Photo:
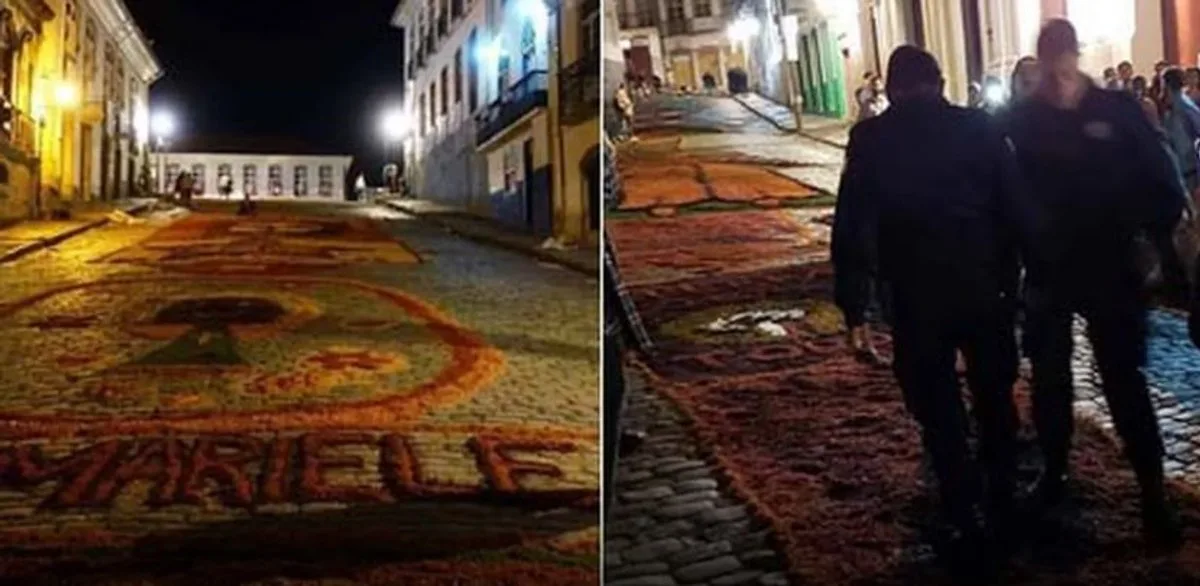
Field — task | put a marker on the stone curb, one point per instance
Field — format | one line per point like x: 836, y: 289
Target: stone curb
x: 542, y: 255
x: 42, y: 243
x: 788, y: 129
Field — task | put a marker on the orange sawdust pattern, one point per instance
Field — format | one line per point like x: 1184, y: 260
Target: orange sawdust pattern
x: 823, y: 448
x: 473, y: 365
x: 680, y: 181
x: 656, y: 249
x: 263, y: 244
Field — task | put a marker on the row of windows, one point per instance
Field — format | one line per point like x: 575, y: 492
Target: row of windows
x: 436, y: 101
x: 250, y: 178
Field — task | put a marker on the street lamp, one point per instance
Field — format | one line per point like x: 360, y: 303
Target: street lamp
x: 394, y: 126
x: 162, y: 126
x: 743, y: 29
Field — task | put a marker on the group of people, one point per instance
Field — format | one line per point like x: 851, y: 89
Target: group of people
x: 185, y: 188
x: 984, y: 235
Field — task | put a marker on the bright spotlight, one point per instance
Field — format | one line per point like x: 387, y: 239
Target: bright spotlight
x: 743, y: 29
x: 66, y: 95
x: 536, y: 12
x: 394, y: 125
x: 993, y: 93
x: 162, y: 125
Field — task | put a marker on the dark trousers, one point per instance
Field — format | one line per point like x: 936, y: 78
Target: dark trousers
x: 1115, y: 310
x: 927, y: 338
x: 614, y: 405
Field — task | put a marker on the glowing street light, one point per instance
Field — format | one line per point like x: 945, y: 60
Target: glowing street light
x: 162, y: 124
x: 66, y: 95
x: 394, y: 125
x: 535, y: 11
x: 743, y: 29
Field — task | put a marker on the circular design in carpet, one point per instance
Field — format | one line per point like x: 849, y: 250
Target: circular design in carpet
x: 231, y: 353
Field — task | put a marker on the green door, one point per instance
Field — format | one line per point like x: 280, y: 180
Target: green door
x: 833, y: 77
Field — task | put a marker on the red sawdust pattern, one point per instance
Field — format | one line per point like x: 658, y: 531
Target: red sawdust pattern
x: 823, y: 448
x: 473, y: 365
x: 685, y: 180
x: 703, y: 244
x: 735, y: 182
x: 34, y: 572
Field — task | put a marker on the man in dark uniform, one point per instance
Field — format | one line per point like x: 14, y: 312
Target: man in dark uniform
x: 1094, y: 163
x: 930, y: 209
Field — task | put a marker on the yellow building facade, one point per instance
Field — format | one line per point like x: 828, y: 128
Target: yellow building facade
x: 76, y: 78
x: 576, y: 101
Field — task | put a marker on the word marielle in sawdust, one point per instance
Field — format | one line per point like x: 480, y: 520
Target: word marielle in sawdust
x: 246, y: 471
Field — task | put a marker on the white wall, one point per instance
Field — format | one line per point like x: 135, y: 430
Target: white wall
x: 288, y: 163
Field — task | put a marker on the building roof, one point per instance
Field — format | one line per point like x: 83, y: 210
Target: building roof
x: 250, y: 145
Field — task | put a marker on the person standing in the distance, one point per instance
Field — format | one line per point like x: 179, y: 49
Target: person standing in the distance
x: 225, y: 186
x: 1110, y: 79
x: 949, y: 260
x: 1125, y: 76
x: 624, y: 103
x: 1094, y: 162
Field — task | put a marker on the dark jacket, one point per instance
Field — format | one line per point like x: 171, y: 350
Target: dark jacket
x: 930, y: 205
x: 1103, y: 177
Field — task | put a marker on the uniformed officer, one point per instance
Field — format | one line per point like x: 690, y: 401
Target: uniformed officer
x: 1092, y: 159
x: 929, y: 209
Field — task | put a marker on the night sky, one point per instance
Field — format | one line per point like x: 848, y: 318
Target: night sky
x: 308, y: 71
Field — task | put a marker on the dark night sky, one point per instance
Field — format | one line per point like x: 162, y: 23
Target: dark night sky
x: 317, y: 72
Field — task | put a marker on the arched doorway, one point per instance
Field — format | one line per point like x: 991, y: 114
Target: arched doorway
x: 739, y: 81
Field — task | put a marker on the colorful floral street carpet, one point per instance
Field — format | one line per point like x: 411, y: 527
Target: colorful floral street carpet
x: 228, y: 406
x: 212, y: 242
x: 664, y: 184
x: 823, y: 448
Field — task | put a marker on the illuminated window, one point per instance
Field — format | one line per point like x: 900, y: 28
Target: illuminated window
x: 275, y: 180
x: 458, y: 80
x: 325, y: 179
x: 198, y: 175
x: 250, y: 179
x: 445, y: 92
x: 300, y: 182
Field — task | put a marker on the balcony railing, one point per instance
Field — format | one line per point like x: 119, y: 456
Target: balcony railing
x: 580, y: 83
x: 638, y: 19
x: 519, y: 99
x: 678, y: 27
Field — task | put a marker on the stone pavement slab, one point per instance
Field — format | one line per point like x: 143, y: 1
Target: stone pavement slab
x: 832, y: 131
x: 584, y: 259
x: 675, y: 520
x: 21, y: 238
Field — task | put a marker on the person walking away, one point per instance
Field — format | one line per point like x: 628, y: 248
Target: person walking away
x: 1181, y: 127
x: 225, y: 186
x: 948, y: 259
x: 1192, y: 83
x: 624, y: 104
x: 1182, y: 124
x: 1093, y: 161
x: 183, y: 187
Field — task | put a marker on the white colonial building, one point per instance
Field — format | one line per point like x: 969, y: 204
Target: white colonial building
x: 258, y: 172
x: 477, y: 95
x: 104, y: 145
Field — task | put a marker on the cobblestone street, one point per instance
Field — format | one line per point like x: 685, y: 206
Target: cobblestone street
x: 765, y: 437
x: 196, y: 387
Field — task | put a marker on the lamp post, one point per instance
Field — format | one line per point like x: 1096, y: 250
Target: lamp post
x: 162, y: 125
x: 66, y: 97
x: 394, y: 126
